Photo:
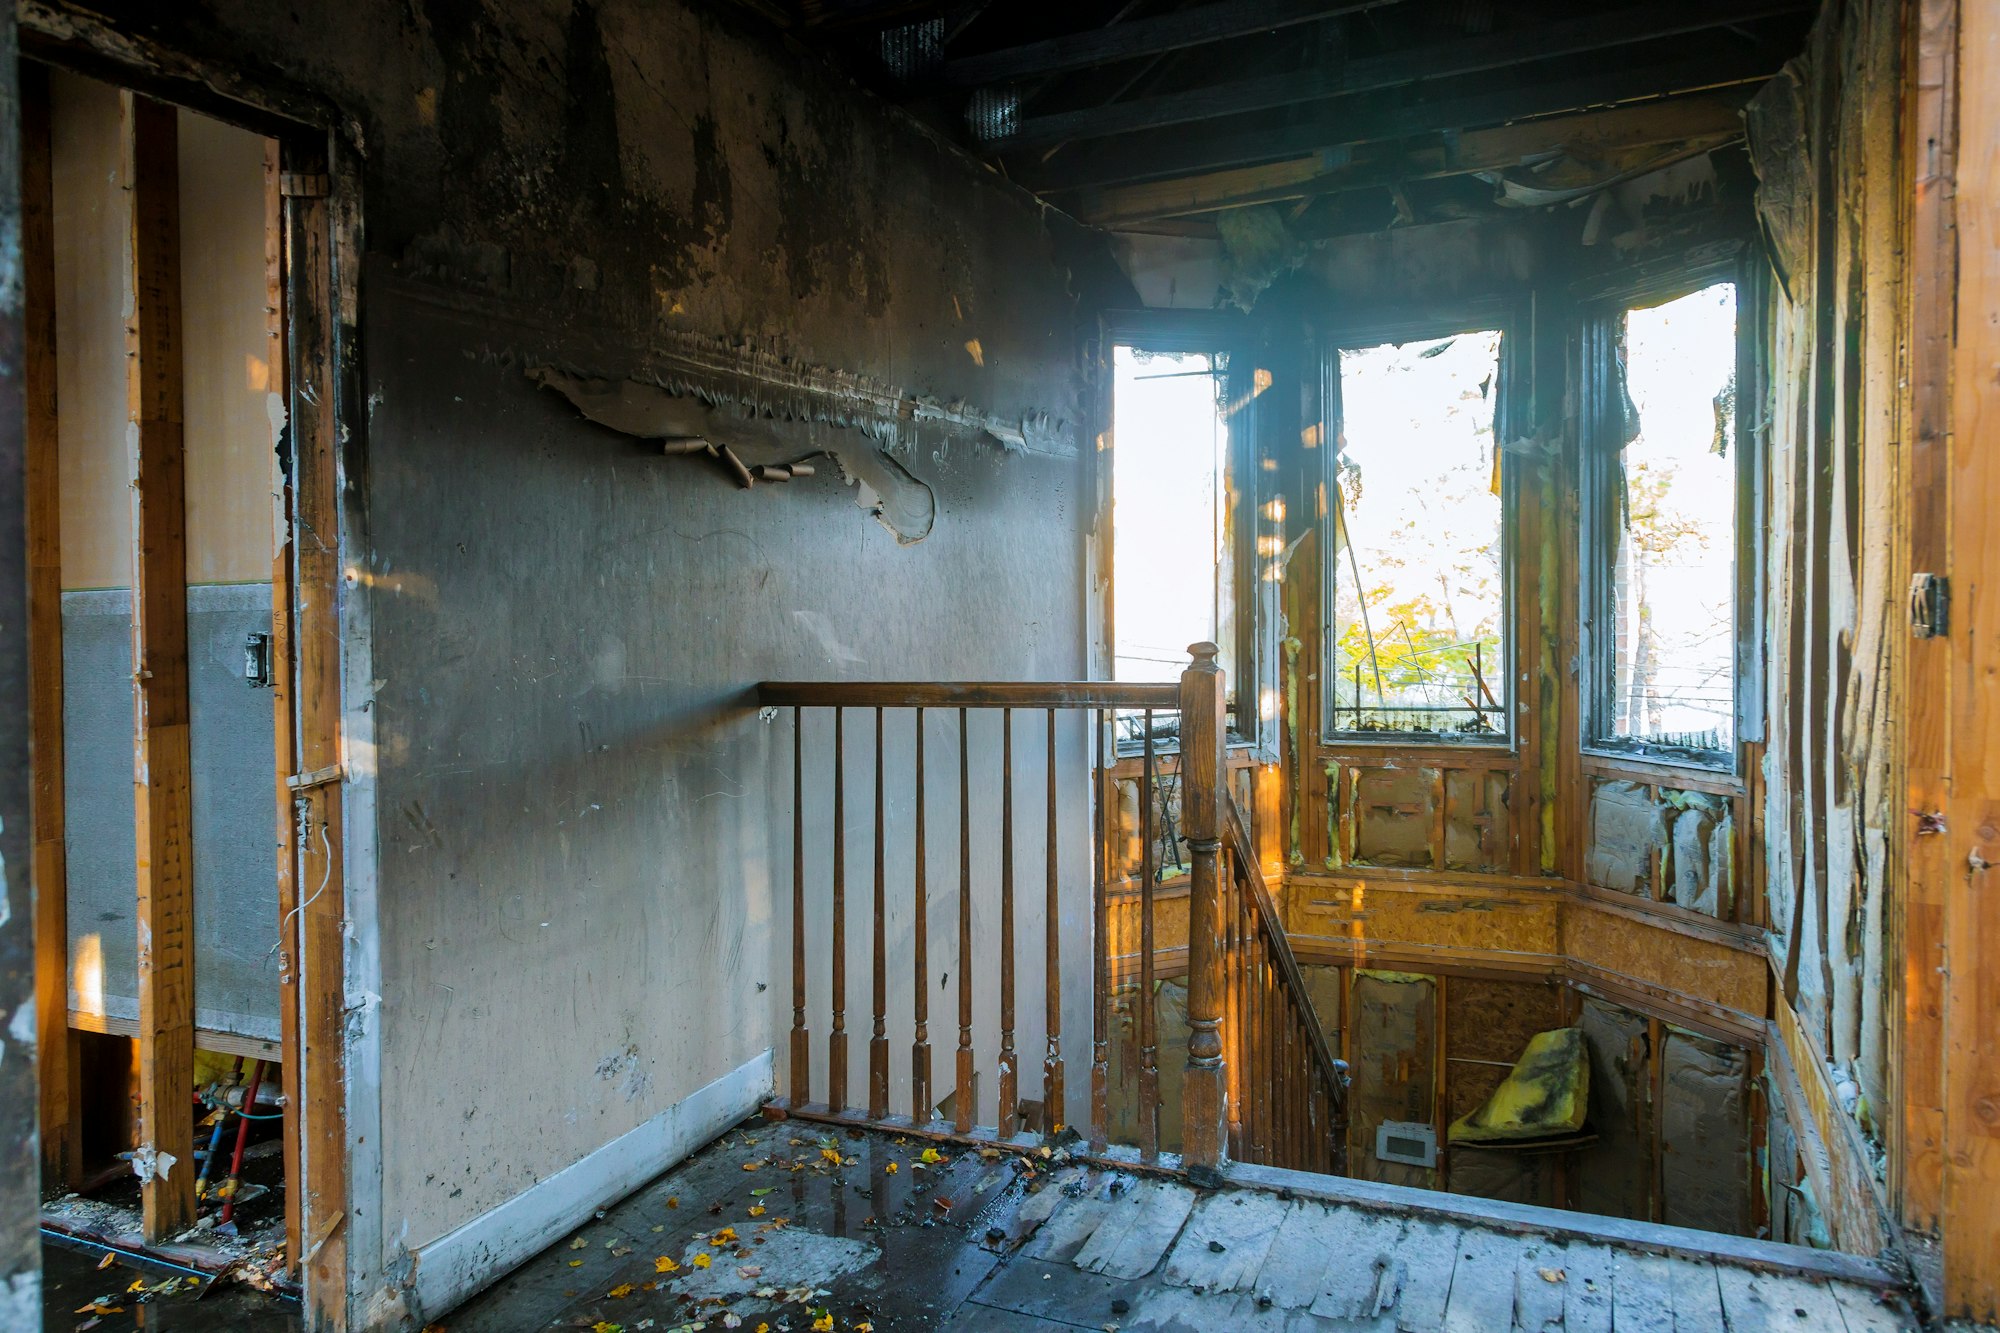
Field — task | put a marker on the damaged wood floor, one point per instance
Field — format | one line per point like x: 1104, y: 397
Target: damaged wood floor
x: 791, y: 1225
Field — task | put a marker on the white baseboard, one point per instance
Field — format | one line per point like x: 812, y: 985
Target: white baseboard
x: 459, y: 1263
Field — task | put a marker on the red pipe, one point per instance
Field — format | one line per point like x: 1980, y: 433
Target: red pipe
x: 242, y: 1138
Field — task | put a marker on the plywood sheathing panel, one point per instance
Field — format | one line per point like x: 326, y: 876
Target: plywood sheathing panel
x: 1393, y: 1048
x: 1726, y: 975
x: 1476, y: 826
x: 1489, y: 1024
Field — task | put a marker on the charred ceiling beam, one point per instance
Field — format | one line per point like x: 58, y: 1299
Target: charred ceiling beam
x: 1500, y: 50
x: 1359, y: 120
x: 1681, y: 126
x: 1200, y: 26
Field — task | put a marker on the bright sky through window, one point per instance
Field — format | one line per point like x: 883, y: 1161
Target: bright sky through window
x: 1416, y: 567
x: 1170, y: 447
x: 1674, y: 581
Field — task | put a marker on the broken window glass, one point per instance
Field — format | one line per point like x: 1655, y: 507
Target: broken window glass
x: 1671, y: 678
x: 1417, y: 616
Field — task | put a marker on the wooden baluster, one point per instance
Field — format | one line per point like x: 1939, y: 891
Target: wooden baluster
x: 1149, y: 1065
x: 920, y: 1048
x: 836, y: 1042
x: 1052, y: 1063
x: 1204, y: 1097
x: 962, y: 1099
x: 1100, y: 946
x: 801, y: 1038
x: 878, y: 1043
x: 1009, y: 1060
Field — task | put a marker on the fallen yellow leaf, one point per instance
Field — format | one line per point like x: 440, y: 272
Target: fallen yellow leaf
x: 701, y: 1261
x: 620, y: 1292
x: 830, y: 1155
x: 726, y: 1236
x: 673, y: 1201
x: 605, y: 1326
x: 823, y: 1324
x: 931, y: 1157
x: 892, y: 1168
x: 756, y: 1210
x: 576, y: 1263
x: 665, y: 1264
x: 751, y: 1166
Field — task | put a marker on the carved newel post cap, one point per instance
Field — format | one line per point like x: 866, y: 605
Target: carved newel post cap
x: 1204, y: 654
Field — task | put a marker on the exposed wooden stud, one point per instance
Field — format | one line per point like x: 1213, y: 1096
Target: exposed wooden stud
x: 1972, y: 907
x: 162, y: 760
x: 284, y: 724
x: 921, y: 1108
x: 316, y: 635
x: 836, y: 1041
x: 56, y: 1053
x: 1917, y: 1165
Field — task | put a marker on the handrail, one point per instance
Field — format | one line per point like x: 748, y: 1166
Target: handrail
x: 1252, y: 876
x: 1165, y: 695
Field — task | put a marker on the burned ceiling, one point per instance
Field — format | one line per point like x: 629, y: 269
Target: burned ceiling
x: 1352, y: 116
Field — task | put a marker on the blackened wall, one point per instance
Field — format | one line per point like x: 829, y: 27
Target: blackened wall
x: 561, y: 928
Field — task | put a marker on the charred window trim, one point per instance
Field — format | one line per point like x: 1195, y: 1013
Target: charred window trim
x: 1599, y: 309
x: 1239, y: 338
x: 1510, y: 318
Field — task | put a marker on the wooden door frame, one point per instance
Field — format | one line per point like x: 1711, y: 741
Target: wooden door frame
x: 320, y: 640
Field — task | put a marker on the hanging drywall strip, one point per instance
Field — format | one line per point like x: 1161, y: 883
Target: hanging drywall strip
x: 164, y: 1160
x: 56, y: 1054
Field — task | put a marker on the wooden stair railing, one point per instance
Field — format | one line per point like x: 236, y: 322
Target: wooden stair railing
x: 1288, y: 1106
x: 1283, y: 1104
x: 912, y: 1102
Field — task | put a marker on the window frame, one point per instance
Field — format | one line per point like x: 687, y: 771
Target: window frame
x: 1510, y: 388
x: 1598, y: 310
x: 1205, y: 333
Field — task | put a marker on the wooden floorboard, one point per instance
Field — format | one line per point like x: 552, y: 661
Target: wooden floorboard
x: 1642, y: 1293
x: 1482, y: 1284
x: 1226, y: 1242
x: 1305, y: 1244
x: 1369, y: 1276
x: 1134, y: 1235
x: 1093, y: 1247
x: 1697, y: 1298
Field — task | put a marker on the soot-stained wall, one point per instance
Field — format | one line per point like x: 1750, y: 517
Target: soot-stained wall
x: 574, y: 901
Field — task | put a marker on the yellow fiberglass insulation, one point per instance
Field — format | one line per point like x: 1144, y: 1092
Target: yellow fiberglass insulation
x: 1545, y: 1096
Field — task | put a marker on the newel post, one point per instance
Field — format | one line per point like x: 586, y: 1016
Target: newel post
x: 1203, y: 1097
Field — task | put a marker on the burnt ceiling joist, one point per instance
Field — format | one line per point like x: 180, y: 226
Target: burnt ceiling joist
x: 1139, y: 112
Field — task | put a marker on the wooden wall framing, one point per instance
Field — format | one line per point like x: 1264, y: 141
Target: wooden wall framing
x: 308, y: 309
x: 56, y: 1047
x: 163, y: 763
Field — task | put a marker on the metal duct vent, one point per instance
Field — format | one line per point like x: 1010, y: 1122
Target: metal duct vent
x: 1407, y: 1141
x: 994, y: 113
x: 913, y: 51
